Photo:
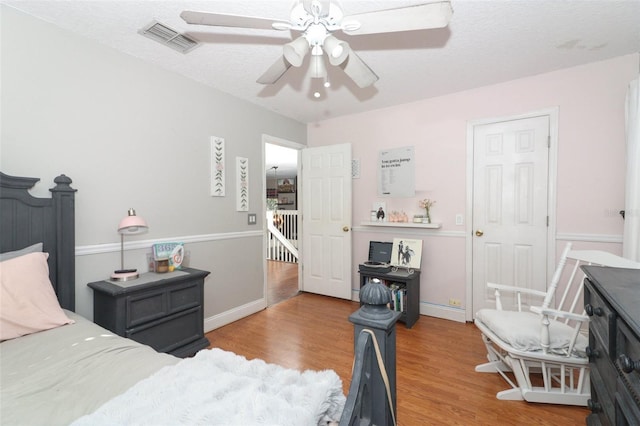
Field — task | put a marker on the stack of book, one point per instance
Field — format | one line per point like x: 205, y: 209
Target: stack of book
x: 398, y: 297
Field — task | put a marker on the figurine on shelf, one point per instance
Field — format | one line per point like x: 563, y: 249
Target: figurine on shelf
x: 380, y: 214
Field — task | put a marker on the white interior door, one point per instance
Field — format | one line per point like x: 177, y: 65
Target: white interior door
x: 326, y: 220
x: 510, y: 206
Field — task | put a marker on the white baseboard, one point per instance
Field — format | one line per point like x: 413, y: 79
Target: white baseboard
x: 444, y: 312
x: 227, y: 317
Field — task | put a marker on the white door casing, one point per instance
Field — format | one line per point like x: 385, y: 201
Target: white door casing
x: 326, y: 220
x: 511, y: 203
x: 272, y: 140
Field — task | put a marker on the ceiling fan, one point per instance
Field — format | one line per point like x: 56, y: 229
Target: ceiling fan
x: 317, y: 20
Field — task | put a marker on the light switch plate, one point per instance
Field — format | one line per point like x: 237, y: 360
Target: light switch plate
x: 355, y: 168
x: 252, y: 219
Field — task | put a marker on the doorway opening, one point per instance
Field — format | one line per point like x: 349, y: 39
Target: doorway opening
x: 282, y: 219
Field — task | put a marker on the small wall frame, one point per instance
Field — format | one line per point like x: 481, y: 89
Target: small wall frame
x: 242, y: 184
x: 217, y: 167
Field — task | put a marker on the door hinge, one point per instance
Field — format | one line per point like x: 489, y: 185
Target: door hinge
x: 548, y: 141
x: 547, y: 221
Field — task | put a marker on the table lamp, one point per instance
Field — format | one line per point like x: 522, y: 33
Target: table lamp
x: 130, y: 225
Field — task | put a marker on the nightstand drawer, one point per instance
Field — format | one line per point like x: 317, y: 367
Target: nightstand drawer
x: 171, y: 332
x: 184, y: 297
x: 146, y: 307
x: 153, y: 305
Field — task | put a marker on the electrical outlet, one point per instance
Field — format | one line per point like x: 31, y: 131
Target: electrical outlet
x: 459, y: 219
x: 454, y: 302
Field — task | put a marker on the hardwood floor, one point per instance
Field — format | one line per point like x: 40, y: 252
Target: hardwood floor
x: 282, y: 281
x: 436, y: 381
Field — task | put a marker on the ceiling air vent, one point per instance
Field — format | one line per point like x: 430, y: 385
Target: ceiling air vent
x: 169, y: 37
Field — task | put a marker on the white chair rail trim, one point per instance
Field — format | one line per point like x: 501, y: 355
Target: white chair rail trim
x: 591, y: 238
x: 145, y: 244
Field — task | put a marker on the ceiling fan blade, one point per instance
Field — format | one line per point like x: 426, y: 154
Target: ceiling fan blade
x: 275, y: 71
x: 358, y: 71
x: 224, y: 20
x: 419, y: 17
x: 318, y: 8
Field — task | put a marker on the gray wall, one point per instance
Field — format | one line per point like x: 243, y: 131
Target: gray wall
x: 131, y: 134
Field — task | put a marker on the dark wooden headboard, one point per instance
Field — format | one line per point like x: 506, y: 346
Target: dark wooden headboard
x: 27, y: 220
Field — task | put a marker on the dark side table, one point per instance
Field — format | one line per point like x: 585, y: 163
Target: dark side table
x: 164, y: 311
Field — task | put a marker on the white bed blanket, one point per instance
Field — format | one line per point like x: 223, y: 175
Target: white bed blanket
x: 221, y: 388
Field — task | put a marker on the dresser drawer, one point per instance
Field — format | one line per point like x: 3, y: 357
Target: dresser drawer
x: 628, y: 345
x: 170, y: 332
x: 600, y: 362
x: 627, y: 411
x: 602, y: 319
x: 601, y: 403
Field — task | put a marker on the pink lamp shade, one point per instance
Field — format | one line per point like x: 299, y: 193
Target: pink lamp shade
x: 132, y: 224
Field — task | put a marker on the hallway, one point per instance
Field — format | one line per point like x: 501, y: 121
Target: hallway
x: 282, y: 281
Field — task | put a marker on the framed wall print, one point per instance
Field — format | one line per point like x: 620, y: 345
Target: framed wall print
x: 286, y: 185
x: 406, y: 253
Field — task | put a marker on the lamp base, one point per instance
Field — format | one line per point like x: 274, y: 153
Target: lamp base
x: 125, y: 275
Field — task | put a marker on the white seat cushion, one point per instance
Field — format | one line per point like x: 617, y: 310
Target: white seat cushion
x: 522, y: 330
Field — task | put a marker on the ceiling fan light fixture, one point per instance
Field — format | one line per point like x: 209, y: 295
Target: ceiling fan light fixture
x: 337, y: 50
x: 318, y: 69
x: 296, y: 50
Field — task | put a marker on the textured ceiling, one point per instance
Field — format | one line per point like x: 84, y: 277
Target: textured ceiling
x: 486, y: 42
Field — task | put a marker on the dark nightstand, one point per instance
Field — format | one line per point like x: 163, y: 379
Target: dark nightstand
x: 164, y: 311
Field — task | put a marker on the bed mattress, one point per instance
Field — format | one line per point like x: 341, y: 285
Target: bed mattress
x: 56, y: 376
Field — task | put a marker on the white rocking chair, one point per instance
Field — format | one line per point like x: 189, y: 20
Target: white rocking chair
x: 545, y: 347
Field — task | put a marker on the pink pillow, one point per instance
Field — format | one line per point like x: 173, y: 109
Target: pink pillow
x: 28, y: 303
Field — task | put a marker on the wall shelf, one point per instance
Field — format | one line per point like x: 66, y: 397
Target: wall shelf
x: 403, y: 225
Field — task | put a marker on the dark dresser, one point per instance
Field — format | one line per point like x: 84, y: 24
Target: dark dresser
x: 164, y: 311
x: 612, y: 300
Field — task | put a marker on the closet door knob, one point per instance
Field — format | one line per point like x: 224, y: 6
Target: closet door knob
x: 479, y: 233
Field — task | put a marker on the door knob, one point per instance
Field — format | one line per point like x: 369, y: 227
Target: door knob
x: 479, y: 232
x: 345, y: 228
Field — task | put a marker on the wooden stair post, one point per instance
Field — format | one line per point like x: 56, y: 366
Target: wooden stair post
x: 374, y: 319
